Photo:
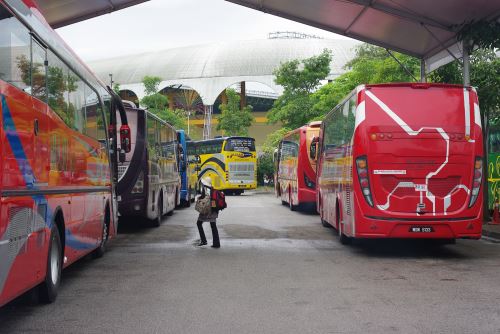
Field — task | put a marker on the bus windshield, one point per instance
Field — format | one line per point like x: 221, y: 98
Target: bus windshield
x: 240, y: 145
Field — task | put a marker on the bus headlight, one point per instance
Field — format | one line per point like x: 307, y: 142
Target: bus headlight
x: 309, y: 183
x: 139, y: 185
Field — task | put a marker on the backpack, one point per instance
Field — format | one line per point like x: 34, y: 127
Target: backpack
x: 218, y: 200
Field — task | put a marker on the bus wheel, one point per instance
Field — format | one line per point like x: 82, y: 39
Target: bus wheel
x: 344, y: 239
x: 325, y: 223
x: 159, y: 207
x: 192, y: 199
x: 99, y: 252
x: 290, y: 202
x: 48, y: 289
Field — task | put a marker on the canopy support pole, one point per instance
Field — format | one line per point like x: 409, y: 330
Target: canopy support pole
x: 423, y: 77
x: 401, y: 64
x: 207, y: 124
x: 466, y: 64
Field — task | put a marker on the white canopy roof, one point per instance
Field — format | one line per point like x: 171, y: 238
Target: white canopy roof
x: 425, y: 29
x: 59, y: 13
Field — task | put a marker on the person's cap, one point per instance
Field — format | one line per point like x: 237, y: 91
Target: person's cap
x: 207, y: 181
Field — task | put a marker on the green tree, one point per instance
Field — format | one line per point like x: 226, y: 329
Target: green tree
x: 265, y: 166
x: 371, y: 65
x: 157, y: 103
x: 273, y: 139
x: 233, y: 121
x: 299, y: 79
x: 116, y: 88
x: 176, y: 117
x: 151, y: 84
x: 484, y: 74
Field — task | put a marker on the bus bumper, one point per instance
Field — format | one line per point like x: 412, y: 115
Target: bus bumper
x: 307, y: 196
x: 132, y: 207
x: 382, y: 227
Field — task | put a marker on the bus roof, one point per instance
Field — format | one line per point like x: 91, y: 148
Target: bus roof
x: 223, y: 138
x: 417, y: 85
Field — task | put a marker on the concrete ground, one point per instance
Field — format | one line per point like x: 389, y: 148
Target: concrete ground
x: 277, y: 272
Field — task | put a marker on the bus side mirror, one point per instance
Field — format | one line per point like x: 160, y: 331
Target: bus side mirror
x: 125, y: 138
x: 313, y: 149
x: 197, y: 159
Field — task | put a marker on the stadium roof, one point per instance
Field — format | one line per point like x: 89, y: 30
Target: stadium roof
x: 210, y: 68
x: 423, y: 28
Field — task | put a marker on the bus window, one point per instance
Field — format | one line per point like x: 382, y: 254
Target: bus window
x: 57, y: 84
x: 91, y: 102
x: 38, y: 71
x: 14, y: 64
x: 240, y: 145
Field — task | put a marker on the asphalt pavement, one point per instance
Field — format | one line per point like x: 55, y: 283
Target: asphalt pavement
x: 277, y: 271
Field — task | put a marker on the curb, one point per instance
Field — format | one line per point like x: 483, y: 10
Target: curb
x: 491, y: 235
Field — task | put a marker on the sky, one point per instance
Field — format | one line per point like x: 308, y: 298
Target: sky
x: 165, y: 24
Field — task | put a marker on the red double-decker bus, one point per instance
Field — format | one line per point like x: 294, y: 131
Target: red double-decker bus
x: 402, y: 161
x: 57, y: 202
x: 295, y: 179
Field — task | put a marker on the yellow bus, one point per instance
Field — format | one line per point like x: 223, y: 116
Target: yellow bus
x: 231, y: 163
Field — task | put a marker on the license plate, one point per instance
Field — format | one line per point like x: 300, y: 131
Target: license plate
x: 421, y: 187
x: 421, y: 229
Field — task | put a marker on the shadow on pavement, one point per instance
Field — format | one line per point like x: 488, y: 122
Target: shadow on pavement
x: 408, y: 248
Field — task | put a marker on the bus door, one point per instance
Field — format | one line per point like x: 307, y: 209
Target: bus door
x: 38, y: 126
x: 39, y: 119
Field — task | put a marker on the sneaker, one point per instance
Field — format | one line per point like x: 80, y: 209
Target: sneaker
x: 201, y: 243
x: 215, y: 246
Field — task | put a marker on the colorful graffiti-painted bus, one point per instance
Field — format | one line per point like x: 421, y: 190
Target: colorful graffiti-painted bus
x: 296, y: 167
x: 403, y: 161
x: 57, y: 199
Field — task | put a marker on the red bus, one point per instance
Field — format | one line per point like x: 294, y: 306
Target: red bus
x: 295, y: 179
x: 57, y: 202
x: 402, y: 161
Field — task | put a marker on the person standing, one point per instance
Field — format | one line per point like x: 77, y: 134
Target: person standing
x: 206, y: 190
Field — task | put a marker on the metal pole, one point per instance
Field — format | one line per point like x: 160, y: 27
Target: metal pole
x: 423, y: 77
x: 189, y: 114
x: 466, y: 60
x: 111, y: 80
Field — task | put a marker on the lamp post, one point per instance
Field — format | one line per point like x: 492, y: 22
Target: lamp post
x: 188, y: 115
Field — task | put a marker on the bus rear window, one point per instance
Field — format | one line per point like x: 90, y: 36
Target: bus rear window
x: 240, y: 145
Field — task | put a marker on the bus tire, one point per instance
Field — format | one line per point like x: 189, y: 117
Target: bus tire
x: 99, y: 252
x: 290, y: 204
x: 159, y: 208
x: 48, y: 289
x: 344, y: 239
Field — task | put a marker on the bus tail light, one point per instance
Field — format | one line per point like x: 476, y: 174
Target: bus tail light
x: 125, y: 138
x: 364, y: 182
x: 476, y: 182
x: 139, y: 185
x: 309, y: 183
